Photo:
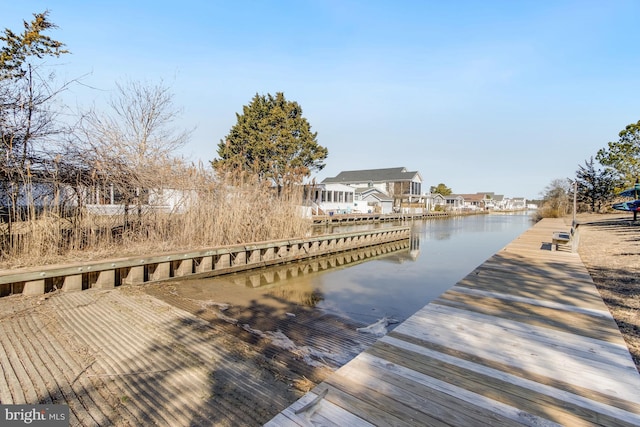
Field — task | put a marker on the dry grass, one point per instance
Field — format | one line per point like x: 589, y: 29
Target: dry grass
x: 610, y: 248
x: 222, y: 214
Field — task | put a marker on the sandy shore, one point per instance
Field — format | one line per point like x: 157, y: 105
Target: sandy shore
x: 609, y: 246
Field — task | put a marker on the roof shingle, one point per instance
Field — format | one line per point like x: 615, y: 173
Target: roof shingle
x: 372, y: 175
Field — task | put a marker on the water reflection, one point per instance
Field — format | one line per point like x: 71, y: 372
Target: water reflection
x: 291, y: 283
x: 294, y: 282
x: 393, y: 280
x: 443, y: 251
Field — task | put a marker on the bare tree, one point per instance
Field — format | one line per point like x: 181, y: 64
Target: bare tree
x: 132, y: 146
x: 557, y: 198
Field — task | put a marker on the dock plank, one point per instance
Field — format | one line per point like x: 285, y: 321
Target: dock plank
x: 534, y: 314
x: 561, y: 317
x: 503, y: 370
x: 570, y: 397
x: 510, y: 391
x: 413, y: 390
x: 537, y: 349
x: 540, y: 301
x: 557, y: 292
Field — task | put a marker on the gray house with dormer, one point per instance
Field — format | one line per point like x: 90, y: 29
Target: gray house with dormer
x: 399, y: 184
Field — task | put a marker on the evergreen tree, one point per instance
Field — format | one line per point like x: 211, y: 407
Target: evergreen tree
x: 624, y: 155
x: 20, y: 49
x: 595, y: 186
x: 441, y: 189
x: 24, y: 94
x: 272, y: 140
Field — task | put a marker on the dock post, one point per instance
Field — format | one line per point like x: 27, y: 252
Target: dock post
x: 206, y: 264
x: 162, y: 271
x: 106, y: 279
x: 134, y: 275
x: 240, y: 258
x: 269, y: 254
x: 72, y: 283
x: 254, y: 256
x: 34, y: 287
x: 224, y: 261
x: 283, y: 251
x: 185, y: 267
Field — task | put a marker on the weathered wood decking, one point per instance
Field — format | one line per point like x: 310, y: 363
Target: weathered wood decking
x: 524, y: 339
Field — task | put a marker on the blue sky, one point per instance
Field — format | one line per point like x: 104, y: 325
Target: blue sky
x: 501, y: 96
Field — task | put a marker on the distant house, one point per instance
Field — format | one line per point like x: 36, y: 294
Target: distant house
x: 332, y: 198
x: 110, y: 202
x: 518, y: 203
x: 372, y: 200
x: 454, y: 202
x: 473, y: 202
x: 396, y: 190
x: 98, y: 198
x: 403, y: 186
x: 485, y: 201
x: 499, y: 202
x: 493, y: 201
x: 435, y: 201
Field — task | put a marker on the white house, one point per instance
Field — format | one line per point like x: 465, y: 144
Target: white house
x: 106, y: 201
x: 333, y: 198
x: 435, y: 201
x: 454, y: 202
x: 372, y: 200
x: 517, y: 203
x: 403, y: 186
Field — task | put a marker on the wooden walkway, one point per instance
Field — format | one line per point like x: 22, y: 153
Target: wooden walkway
x: 524, y: 339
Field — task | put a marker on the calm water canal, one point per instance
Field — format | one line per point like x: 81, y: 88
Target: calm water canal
x: 395, y: 284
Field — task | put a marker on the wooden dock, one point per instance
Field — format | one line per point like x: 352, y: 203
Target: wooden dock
x: 206, y: 262
x: 524, y: 339
x: 376, y: 218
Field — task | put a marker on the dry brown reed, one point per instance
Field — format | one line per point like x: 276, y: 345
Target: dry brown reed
x: 208, y: 213
x: 547, y: 211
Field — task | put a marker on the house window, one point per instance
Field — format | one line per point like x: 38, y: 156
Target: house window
x: 416, y: 188
x: 329, y: 196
